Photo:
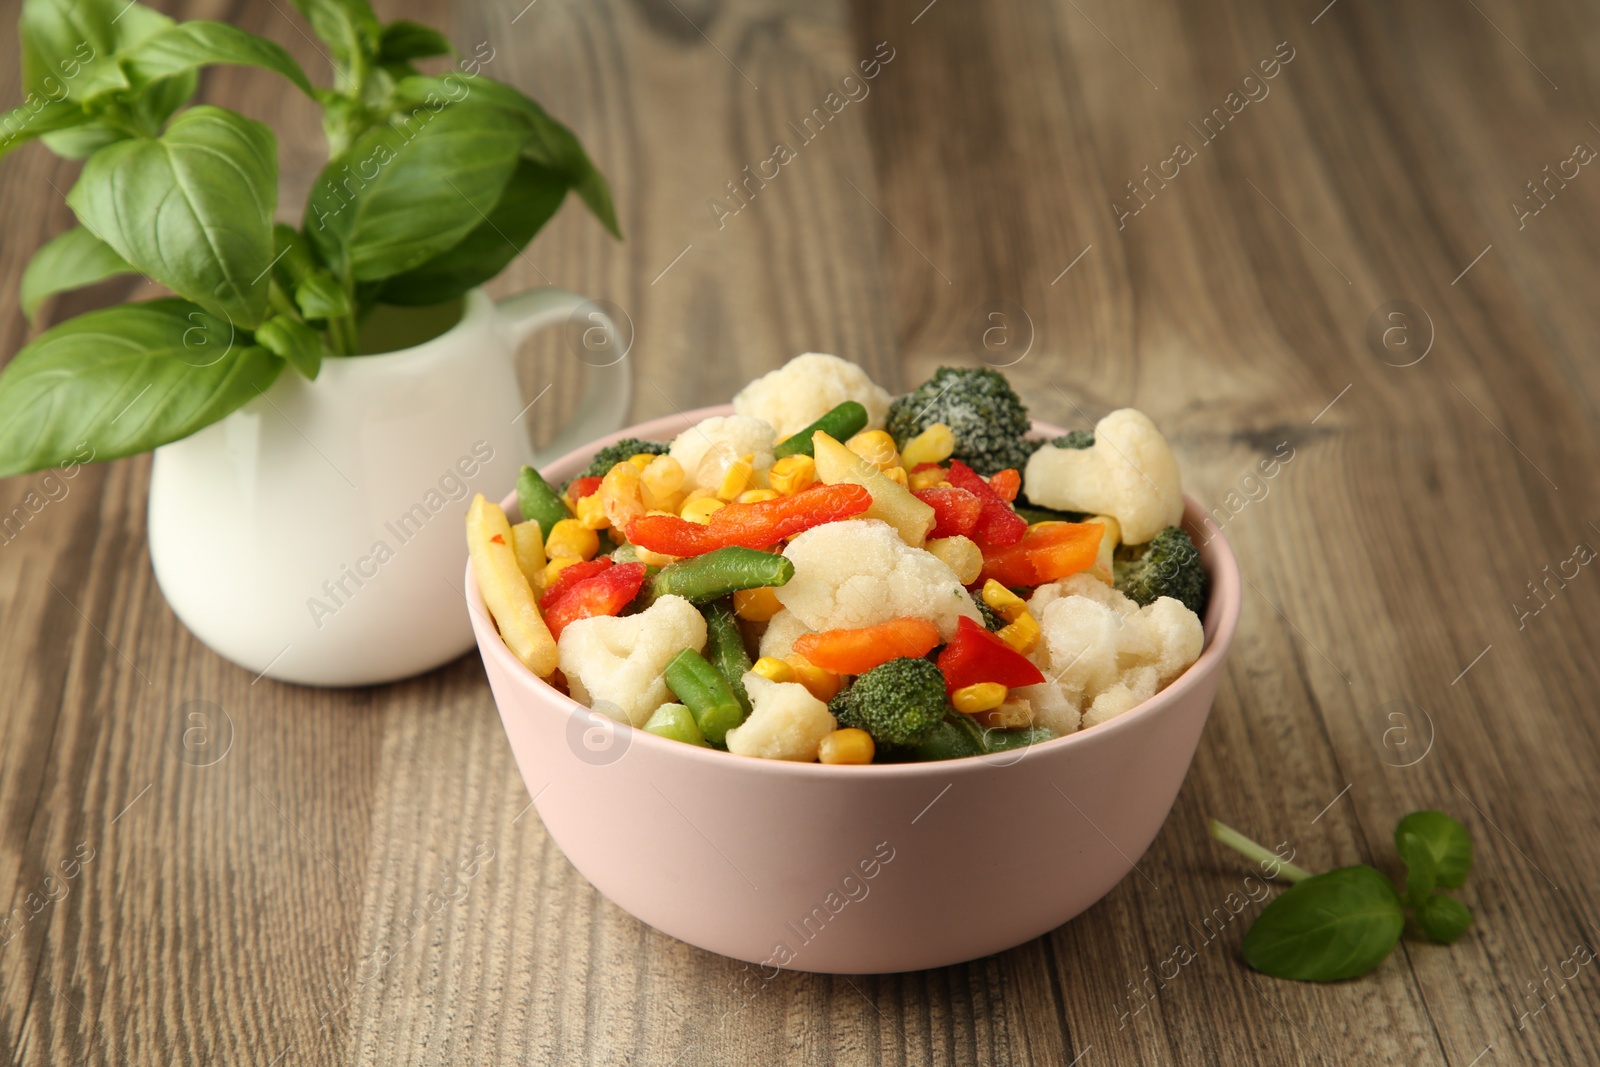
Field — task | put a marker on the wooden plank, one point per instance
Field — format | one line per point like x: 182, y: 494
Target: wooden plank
x: 354, y: 877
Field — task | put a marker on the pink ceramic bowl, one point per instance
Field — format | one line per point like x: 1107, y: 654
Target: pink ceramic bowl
x: 853, y: 869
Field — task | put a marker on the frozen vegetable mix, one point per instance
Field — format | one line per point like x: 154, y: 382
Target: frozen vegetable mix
x: 835, y: 575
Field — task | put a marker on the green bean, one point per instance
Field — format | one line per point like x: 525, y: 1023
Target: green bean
x: 955, y: 738
x: 705, y: 692
x: 718, y: 573
x: 1006, y: 740
x: 725, y: 647
x: 958, y: 736
x: 840, y: 423
x: 676, y: 722
x: 1034, y: 513
x: 539, y: 502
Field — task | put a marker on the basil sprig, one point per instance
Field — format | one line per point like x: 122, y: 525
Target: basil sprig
x: 433, y: 184
x: 1343, y: 923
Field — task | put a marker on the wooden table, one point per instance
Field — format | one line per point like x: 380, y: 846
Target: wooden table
x: 1242, y: 290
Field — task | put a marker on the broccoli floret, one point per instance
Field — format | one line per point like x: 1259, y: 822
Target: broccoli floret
x: 1075, y: 439
x: 992, y: 619
x: 986, y: 416
x: 620, y: 452
x: 898, y: 702
x: 1168, y: 565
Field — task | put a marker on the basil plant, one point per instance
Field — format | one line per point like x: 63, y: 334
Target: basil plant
x: 433, y: 184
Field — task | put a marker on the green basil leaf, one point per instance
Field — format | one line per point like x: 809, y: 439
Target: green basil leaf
x: 124, y: 380
x: 192, y: 209
x: 70, y: 261
x: 191, y: 45
x: 1422, y: 869
x: 25, y: 122
x: 317, y: 293
x: 71, y: 45
x: 350, y: 30
x: 1331, y: 926
x: 403, y: 39
x: 1446, y: 839
x: 1443, y: 919
x: 159, y: 99
x: 320, y: 296
x: 296, y: 342
x: 551, y: 143
x: 80, y: 142
x: 403, y: 193
x: 530, y: 198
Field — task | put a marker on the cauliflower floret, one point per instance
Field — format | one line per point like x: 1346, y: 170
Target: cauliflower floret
x: 786, y: 722
x: 1102, y: 654
x: 806, y: 388
x: 860, y: 573
x: 1128, y: 473
x: 777, y: 640
x: 614, y: 664
x: 705, y: 449
x: 1052, y: 706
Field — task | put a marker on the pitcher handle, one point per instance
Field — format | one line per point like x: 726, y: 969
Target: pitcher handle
x: 607, y: 379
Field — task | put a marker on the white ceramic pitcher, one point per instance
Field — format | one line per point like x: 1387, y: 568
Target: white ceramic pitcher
x: 315, y: 535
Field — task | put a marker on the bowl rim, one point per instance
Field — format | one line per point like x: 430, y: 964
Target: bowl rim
x: 1222, y: 618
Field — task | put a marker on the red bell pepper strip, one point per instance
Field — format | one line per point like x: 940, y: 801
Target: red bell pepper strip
x: 760, y: 523
x: 955, y: 511
x: 756, y: 524
x: 975, y: 655
x: 605, y: 593
x: 998, y: 525
x: 577, y: 572
x: 859, y: 650
x: 582, y: 487
x: 1006, y: 484
x: 1046, y: 552
x: 670, y: 535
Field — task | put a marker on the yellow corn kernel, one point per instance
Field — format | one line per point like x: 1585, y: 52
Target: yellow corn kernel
x: 756, y: 605
x: 621, y: 494
x: 661, y: 480
x: 849, y: 745
x: 979, y: 696
x: 616, y: 536
x: 876, y: 447
x: 793, y: 473
x: 926, y: 479
x: 1013, y: 713
x: 824, y: 685
x: 591, y: 513
x: 755, y: 496
x: 569, y: 537
x: 1003, y: 600
x: 736, y: 479
x: 774, y: 670
x: 897, y: 475
x: 553, y: 569
x: 960, y: 554
x: 1021, y: 633
x: 641, y: 460
x: 652, y: 559
x: 932, y: 445
x: 700, y: 510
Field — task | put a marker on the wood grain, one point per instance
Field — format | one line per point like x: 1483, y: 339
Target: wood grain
x: 306, y: 897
